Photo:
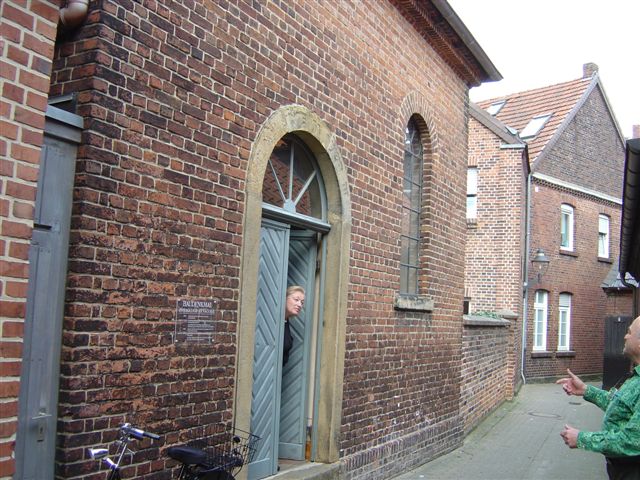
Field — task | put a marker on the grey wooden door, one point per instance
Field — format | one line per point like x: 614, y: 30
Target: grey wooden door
x: 615, y: 365
x: 37, y: 416
x: 295, y: 374
x: 267, y: 356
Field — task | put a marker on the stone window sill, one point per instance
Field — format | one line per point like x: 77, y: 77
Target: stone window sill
x: 565, y: 353
x: 605, y: 260
x: 568, y: 253
x: 541, y: 354
x: 415, y: 303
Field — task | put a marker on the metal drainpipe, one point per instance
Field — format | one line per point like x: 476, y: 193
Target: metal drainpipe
x: 525, y: 283
x: 74, y: 13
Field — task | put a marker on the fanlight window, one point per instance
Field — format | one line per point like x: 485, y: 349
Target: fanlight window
x: 292, y: 181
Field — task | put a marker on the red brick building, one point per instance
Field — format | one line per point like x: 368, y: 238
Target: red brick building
x: 576, y: 153
x: 498, y: 168
x: 168, y: 168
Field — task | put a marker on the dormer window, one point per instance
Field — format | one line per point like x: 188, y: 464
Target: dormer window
x: 534, y: 126
x: 495, y: 107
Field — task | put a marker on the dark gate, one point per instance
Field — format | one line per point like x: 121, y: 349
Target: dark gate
x: 616, y: 365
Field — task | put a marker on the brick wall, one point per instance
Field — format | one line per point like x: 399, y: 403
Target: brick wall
x: 495, y: 239
x: 27, y: 35
x: 172, y: 99
x: 486, y: 382
x: 580, y: 274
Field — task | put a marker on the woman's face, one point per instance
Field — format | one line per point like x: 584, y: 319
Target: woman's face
x: 295, y: 302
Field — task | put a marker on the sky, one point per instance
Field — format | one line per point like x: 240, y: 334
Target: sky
x: 538, y: 43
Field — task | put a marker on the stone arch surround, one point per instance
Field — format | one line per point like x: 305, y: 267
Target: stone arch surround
x: 322, y: 143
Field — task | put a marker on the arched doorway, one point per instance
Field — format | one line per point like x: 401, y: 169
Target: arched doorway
x: 297, y: 227
x: 293, y: 224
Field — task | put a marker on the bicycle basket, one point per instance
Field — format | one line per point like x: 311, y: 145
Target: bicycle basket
x: 226, y: 448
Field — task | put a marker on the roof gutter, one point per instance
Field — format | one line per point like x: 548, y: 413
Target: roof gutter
x: 465, y: 35
x: 74, y: 13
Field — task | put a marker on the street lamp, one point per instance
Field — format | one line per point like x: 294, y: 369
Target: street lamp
x: 540, y: 263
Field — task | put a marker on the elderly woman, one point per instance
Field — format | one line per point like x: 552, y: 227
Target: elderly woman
x: 293, y: 307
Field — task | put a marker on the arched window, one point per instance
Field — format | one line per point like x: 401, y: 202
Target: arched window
x: 293, y: 190
x: 411, y: 203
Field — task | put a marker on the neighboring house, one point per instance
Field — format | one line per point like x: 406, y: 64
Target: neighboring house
x: 576, y: 154
x: 196, y: 158
x: 498, y: 168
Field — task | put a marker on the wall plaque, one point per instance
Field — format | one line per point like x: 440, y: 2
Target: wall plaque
x: 194, y: 321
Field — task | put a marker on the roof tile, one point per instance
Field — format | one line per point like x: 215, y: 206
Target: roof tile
x: 521, y: 107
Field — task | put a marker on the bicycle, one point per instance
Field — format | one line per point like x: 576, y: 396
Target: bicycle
x: 126, y: 433
x: 218, y: 454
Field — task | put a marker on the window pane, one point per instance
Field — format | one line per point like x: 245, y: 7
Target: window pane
x: 403, y: 279
x: 540, y: 321
x: 413, y: 230
x: 472, y: 181
x: 412, y: 282
x: 404, y: 250
x: 411, y: 204
x: 494, y: 108
x: 566, y: 227
x: 413, y: 252
x: 276, y: 178
x: 603, y: 236
x: 472, y: 207
x: 564, y: 321
x: 298, y: 191
x: 534, y: 126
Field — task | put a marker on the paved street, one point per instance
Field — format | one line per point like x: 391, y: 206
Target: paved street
x: 521, y: 440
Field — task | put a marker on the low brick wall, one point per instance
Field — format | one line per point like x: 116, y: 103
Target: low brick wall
x: 399, y: 455
x: 487, y: 346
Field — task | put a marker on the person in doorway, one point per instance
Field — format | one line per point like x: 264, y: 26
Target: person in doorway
x: 293, y: 307
x: 619, y: 439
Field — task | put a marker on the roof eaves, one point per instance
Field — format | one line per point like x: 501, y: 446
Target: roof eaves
x: 467, y: 38
x: 630, y: 224
x: 613, y: 116
x: 493, y: 124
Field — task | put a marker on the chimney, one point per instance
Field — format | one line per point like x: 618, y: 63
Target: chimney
x: 588, y: 69
x: 635, y: 131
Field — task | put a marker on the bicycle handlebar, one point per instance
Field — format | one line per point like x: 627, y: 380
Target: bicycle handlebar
x: 138, y: 433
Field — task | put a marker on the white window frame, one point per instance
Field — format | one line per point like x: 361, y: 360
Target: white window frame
x: 566, y: 222
x: 540, y: 321
x: 564, y: 322
x: 603, y: 236
x: 472, y: 193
